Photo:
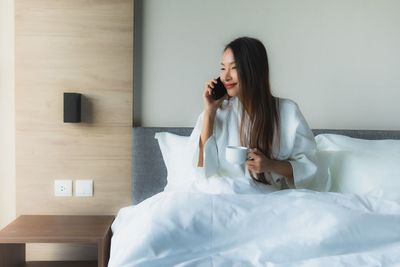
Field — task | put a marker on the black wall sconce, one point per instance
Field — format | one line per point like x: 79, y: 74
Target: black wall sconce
x: 72, y: 107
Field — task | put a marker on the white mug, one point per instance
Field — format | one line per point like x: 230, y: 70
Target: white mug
x: 236, y: 154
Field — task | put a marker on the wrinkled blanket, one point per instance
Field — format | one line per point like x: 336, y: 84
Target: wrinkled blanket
x: 283, y: 228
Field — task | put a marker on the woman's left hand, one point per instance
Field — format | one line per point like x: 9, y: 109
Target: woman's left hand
x: 257, y: 162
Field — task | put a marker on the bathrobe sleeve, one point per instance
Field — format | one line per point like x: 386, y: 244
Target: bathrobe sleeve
x: 303, y: 154
x: 297, y: 146
x: 210, y: 157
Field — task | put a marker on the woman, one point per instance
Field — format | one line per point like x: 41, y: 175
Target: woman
x: 282, y: 146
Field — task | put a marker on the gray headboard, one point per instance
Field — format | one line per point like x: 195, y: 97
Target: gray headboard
x: 148, y: 169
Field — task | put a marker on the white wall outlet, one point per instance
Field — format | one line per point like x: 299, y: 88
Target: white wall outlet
x: 84, y: 188
x: 63, y: 188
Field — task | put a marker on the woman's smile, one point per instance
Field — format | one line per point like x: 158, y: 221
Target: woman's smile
x: 229, y: 85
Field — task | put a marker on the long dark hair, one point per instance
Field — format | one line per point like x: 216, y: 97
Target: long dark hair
x: 260, y: 116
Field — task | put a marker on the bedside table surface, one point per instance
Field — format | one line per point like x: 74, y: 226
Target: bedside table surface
x: 56, y: 229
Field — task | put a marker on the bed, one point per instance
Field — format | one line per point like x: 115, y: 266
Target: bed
x: 296, y: 227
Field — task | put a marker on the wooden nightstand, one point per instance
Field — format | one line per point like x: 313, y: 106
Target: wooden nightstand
x: 55, y: 229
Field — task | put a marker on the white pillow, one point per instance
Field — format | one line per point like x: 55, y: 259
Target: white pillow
x: 177, y: 158
x: 335, y: 142
x: 361, y: 166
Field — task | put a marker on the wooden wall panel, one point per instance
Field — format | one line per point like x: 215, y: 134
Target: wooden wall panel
x: 83, y: 46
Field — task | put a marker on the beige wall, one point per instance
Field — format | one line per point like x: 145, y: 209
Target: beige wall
x: 7, y: 114
x: 338, y: 59
x: 73, y: 46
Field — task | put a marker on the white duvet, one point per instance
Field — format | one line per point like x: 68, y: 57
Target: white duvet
x: 282, y: 228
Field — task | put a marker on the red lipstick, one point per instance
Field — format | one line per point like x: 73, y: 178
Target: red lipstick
x: 229, y: 85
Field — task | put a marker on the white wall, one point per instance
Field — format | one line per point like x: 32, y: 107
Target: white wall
x: 7, y: 114
x: 339, y: 60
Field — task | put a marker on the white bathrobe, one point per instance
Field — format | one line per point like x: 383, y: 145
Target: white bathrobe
x: 297, y: 145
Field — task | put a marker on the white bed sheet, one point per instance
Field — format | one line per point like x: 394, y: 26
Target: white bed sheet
x: 282, y: 228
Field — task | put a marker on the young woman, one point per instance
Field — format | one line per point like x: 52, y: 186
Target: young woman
x: 282, y: 146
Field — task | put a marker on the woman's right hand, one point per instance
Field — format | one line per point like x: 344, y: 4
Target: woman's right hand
x: 211, y: 105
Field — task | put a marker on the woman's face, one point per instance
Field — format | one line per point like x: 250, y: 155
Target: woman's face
x: 228, y: 73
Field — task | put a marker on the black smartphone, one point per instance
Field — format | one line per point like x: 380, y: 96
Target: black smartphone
x: 219, y: 90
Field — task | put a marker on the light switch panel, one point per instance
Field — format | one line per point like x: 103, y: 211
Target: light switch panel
x: 84, y: 188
